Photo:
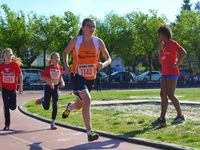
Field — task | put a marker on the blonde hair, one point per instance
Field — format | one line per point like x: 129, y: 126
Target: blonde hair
x: 51, y: 57
x: 14, y: 58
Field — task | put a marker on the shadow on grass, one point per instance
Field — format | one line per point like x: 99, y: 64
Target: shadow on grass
x: 108, y: 144
x: 144, y: 130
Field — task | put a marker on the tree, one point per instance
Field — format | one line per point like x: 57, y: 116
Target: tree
x: 197, y: 6
x: 146, y: 38
x: 132, y: 37
x: 29, y: 35
x: 187, y: 32
x: 110, y: 31
x: 53, y: 33
x: 186, y: 5
x: 14, y: 32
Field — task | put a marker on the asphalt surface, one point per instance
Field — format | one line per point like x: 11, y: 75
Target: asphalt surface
x: 30, y: 134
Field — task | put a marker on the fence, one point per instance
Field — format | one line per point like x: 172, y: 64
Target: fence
x: 118, y: 85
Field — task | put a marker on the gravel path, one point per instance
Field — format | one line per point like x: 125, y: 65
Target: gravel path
x: 190, y: 111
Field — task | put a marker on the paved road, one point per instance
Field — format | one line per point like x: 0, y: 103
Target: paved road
x: 31, y: 134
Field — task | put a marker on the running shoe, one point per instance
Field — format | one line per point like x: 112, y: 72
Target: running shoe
x: 93, y: 136
x: 66, y: 113
x: 159, y: 121
x: 53, y: 126
x: 178, y: 120
x: 39, y: 101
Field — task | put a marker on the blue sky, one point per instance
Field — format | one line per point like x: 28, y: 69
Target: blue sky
x: 97, y: 8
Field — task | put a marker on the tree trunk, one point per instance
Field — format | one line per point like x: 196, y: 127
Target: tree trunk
x: 198, y: 62
x: 150, y: 63
x: 28, y: 65
x: 133, y: 67
x: 44, y: 59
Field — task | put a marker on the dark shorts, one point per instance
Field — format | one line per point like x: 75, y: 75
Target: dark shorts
x: 81, y: 84
x: 170, y: 76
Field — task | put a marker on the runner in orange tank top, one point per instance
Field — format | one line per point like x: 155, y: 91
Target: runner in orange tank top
x: 86, y: 51
x: 85, y: 56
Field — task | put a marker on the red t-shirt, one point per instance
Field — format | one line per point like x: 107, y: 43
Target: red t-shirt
x: 9, y: 75
x: 53, y: 72
x: 169, y: 56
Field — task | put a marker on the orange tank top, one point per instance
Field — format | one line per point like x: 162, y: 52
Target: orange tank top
x: 85, y: 59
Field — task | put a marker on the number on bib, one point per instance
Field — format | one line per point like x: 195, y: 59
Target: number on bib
x: 8, y: 78
x: 86, y: 70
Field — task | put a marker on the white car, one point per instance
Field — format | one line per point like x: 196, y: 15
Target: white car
x: 31, y: 75
x: 155, y: 76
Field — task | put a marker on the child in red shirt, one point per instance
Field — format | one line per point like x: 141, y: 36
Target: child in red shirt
x: 10, y: 71
x: 52, y: 75
x: 168, y: 57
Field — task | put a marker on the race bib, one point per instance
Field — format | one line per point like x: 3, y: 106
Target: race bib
x: 55, y: 74
x: 86, y: 70
x: 8, y: 78
x: 163, y: 57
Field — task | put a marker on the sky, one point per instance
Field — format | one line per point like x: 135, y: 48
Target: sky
x: 97, y: 8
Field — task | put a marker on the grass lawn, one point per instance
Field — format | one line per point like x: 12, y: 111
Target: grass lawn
x: 186, y: 94
x: 132, y: 124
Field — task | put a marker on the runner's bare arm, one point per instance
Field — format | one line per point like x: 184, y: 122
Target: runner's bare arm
x: 105, y: 55
x: 62, y: 83
x: 21, y: 83
x: 182, y: 57
x: 48, y: 81
x: 160, y: 50
x: 68, y: 49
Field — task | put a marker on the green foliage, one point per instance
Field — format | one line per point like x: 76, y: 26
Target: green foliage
x: 29, y: 35
x: 15, y: 32
x: 145, y: 34
x: 187, y: 32
x: 132, y: 36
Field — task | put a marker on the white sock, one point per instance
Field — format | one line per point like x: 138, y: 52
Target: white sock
x: 89, y: 132
x: 69, y: 107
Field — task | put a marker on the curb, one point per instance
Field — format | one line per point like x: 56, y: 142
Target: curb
x: 140, y: 141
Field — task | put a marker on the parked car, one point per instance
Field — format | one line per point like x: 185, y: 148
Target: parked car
x: 122, y: 76
x: 155, y: 76
x: 198, y: 76
x: 31, y: 75
x: 104, y: 77
x: 185, y: 75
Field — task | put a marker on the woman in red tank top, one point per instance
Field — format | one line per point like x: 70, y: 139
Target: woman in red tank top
x: 168, y: 57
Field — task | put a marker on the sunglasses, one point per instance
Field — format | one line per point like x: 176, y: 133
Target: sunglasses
x: 90, y: 26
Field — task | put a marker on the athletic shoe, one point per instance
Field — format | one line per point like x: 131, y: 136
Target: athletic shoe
x: 178, y: 120
x: 39, y: 101
x: 6, y: 128
x: 93, y: 136
x: 65, y: 114
x: 53, y: 126
x: 159, y: 121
